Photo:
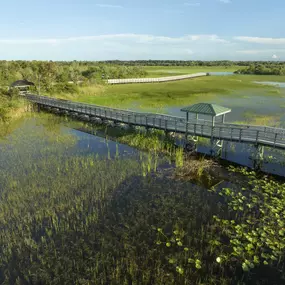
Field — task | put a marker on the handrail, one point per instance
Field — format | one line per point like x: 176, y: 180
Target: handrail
x: 239, y: 133
x: 170, y: 117
x: 158, y: 79
x: 106, y: 107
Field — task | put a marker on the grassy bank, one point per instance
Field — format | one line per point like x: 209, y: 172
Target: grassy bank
x: 11, y: 108
x: 159, y: 95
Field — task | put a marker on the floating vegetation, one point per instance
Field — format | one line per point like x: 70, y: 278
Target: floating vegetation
x: 256, y: 231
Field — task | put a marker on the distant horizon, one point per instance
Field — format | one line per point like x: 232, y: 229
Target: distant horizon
x: 133, y: 60
x: 93, y: 30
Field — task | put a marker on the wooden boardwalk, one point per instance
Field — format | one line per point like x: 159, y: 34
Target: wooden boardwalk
x: 258, y: 135
x: 155, y: 80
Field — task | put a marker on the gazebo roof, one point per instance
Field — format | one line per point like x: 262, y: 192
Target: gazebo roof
x: 22, y: 83
x: 207, y: 109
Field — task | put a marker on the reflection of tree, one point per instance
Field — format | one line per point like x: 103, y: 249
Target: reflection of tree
x: 53, y: 131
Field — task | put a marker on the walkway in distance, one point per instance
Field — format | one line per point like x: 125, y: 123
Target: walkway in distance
x: 155, y: 80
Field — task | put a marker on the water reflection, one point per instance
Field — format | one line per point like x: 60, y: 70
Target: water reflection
x: 271, y: 83
x: 221, y: 73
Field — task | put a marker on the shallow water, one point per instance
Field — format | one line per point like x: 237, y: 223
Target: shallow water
x: 244, y: 105
x: 271, y: 83
x: 71, y: 199
x: 255, y: 107
x: 36, y: 139
x: 225, y: 73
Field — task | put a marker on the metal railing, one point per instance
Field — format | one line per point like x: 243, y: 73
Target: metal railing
x: 267, y: 136
x: 155, y: 80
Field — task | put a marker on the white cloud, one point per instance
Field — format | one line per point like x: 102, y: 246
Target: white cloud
x: 249, y: 51
x: 139, y: 38
x: 226, y: 1
x: 108, y: 6
x: 194, y: 4
x: 261, y: 51
x: 116, y: 46
x: 259, y: 40
x: 274, y: 56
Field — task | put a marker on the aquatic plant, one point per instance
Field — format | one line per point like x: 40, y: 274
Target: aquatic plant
x: 256, y: 231
x: 70, y: 214
x: 179, y: 157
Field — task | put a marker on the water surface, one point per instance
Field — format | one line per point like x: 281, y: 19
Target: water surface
x: 271, y: 83
x: 224, y: 73
x: 71, y: 199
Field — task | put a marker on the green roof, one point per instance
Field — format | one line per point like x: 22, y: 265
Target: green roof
x: 206, y: 109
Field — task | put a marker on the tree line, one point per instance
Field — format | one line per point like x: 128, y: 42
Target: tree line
x: 187, y: 63
x: 55, y: 76
x: 263, y: 69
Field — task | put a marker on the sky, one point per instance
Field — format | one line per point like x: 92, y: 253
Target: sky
x: 146, y: 29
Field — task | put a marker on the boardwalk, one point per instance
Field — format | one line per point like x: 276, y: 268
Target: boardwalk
x: 258, y: 135
x: 155, y: 80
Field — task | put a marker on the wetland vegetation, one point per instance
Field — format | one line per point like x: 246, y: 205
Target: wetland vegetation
x: 85, y: 204
x: 81, y: 209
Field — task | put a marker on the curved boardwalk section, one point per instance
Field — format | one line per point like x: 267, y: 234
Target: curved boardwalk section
x: 155, y: 80
x: 258, y: 135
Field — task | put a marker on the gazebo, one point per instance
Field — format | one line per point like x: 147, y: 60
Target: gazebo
x: 22, y: 85
x: 207, y: 109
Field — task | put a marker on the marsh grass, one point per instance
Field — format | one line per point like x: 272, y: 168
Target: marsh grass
x: 159, y: 95
x: 200, y: 170
x: 261, y: 120
x: 160, y: 71
x: 11, y: 108
x: 154, y: 141
x: 71, y: 217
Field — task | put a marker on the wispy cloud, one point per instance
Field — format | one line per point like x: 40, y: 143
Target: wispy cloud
x: 249, y: 51
x: 261, y: 51
x: 140, y: 38
x: 274, y: 56
x: 192, y: 4
x: 117, y: 46
x: 226, y: 1
x: 259, y: 40
x: 145, y: 46
x: 108, y: 6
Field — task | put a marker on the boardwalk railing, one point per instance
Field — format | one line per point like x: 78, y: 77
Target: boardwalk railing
x: 267, y: 136
x: 153, y: 80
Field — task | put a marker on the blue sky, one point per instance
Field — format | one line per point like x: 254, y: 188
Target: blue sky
x: 149, y: 29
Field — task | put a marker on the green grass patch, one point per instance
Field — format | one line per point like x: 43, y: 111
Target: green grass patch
x: 11, y: 107
x: 260, y: 120
x: 160, y: 71
x: 179, y: 93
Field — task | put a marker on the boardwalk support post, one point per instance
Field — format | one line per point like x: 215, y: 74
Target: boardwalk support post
x: 258, y: 157
x: 216, y: 147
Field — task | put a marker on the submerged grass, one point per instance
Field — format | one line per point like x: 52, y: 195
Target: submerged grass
x: 261, y: 120
x: 71, y: 217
